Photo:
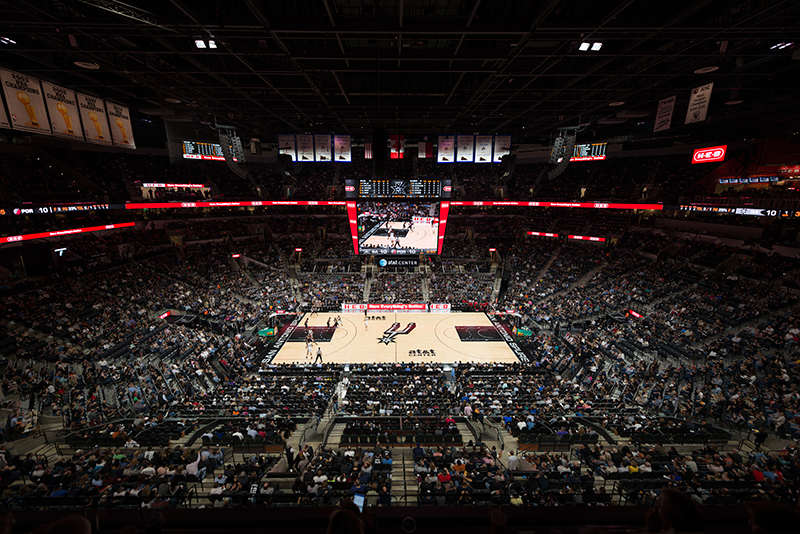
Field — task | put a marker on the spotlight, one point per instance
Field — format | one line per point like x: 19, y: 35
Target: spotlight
x: 212, y: 44
x: 584, y: 47
x: 199, y: 43
x: 596, y: 47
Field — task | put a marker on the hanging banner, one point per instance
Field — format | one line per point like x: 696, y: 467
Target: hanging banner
x: 424, y: 150
x: 465, y: 148
x: 341, y: 149
x: 483, y: 149
x: 664, y: 114
x: 95, y: 122
x: 305, y: 147
x: 367, y: 149
x: 502, y: 147
x: 447, y: 149
x: 322, y: 148
x: 397, y: 146
x: 3, y: 117
x: 286, y: 145
x: 63, y: 108
x: 26, y: 106
x: 121, y: 130
x: 698, y: 103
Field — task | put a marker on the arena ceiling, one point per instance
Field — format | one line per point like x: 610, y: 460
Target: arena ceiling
x: 418, y: 66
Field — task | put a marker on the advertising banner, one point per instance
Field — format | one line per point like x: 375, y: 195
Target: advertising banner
x: 416, y: 307
x: 63, y: 108
x: 440, y: 308
x: 286, y: 145
x: 322, y: 148
x: 707, y: 155
x: 483, y: 149
x: 465, y: 151
x: 121, y: 130
x: 341, y: 149
x: 698, y: 103
x: 95, y: 122
x: 398, y: 262
x: 502, y: 147
x: 26, y: 107
x: 305, y: 147
x: 447, y: 149
x: 664, y: 114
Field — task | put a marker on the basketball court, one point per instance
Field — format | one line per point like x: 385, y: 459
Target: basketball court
x: 401, y: 337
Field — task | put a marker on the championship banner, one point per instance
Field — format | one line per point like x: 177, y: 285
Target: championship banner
x: 305, y: 147
x: 440, y: 308
x: 664, y: 114
x: 95, y: 122
x: 502, y: 147
x: 121, y: 130
x: 465, y: 151
x: 3, y: 117
x: 26, y: 106
x: 341, y: 149
x: 447, y: 149
x: 322, y: 148
x: 286, y: 145
x: 483, y: 149
x: 63, y: 108
x: 698, y: 103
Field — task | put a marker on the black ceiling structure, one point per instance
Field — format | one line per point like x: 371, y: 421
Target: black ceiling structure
x: 419, y: 67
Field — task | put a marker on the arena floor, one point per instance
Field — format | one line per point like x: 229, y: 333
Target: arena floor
x: 353, y: 343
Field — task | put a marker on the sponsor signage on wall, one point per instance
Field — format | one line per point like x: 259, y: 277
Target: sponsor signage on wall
x: 710, y: 154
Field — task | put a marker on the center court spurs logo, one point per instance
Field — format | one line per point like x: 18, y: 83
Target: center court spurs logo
x: 393, y: 331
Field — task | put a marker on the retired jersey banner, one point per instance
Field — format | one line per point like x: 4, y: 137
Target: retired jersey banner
x: 664, y: 114
x: 397, y: 146
x: 63, y: 108
x: 305, y: 147
x: 447, y: 149
x: 424, y: 150
x: 95, y: 123
x: 502, y: 147
x: 483, y: 149
x: 342, y: 153
x: 26, y: 106
x: 3, y: 117
x: 121, y: 130
x: 465, y: 148
x: 286, y: 145
x: 322, y: 148
x: 698, y: 103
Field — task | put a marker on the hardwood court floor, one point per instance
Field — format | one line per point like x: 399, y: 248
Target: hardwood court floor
x: 352, y: 343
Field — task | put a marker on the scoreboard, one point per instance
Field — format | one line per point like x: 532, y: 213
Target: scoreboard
x: 387, y: 188
x: 203, y: 151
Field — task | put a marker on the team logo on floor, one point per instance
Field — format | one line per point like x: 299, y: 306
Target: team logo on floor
x: 393, y: 331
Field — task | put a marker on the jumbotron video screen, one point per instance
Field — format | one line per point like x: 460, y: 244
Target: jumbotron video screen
x: 398, y: 227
